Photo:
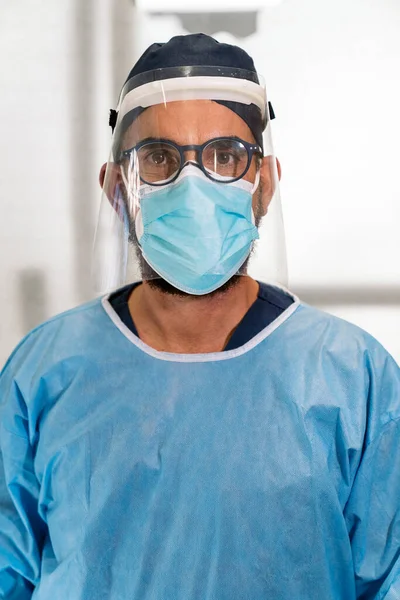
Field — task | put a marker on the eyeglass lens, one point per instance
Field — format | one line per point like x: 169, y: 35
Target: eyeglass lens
x: 223, y: 159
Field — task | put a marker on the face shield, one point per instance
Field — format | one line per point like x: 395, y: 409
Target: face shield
x: 191, y: 188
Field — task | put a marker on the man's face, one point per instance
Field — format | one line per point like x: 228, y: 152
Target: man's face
x: 195, y: 122
x: 191, y: 122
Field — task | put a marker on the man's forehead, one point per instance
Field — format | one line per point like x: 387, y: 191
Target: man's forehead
x: 191, y: 121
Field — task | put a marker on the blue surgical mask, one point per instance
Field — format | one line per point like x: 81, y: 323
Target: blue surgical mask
x: 196, y: 233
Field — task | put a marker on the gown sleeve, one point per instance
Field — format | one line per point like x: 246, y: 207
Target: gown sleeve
x: 22, y: 531
x: 373, y: 510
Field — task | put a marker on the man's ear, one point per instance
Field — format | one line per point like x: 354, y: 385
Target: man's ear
x: 110, y: 180
x: 270, y: 174
x: 279, y: 169
x: 102, y: 175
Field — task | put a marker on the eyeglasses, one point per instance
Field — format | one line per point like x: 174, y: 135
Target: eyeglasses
x: 221, y: 159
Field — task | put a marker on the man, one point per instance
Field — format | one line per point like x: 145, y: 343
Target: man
x: 197, y: 434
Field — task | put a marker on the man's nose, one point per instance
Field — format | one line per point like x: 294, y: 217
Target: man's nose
x: 190, y: 155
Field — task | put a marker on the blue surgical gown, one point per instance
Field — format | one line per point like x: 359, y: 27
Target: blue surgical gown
x: 271, y: 471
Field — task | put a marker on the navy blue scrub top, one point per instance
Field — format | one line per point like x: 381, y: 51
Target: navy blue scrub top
x: 271, y: 302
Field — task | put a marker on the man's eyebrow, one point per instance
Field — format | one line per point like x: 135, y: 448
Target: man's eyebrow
x: 152, y: 139
x: 165, y: 139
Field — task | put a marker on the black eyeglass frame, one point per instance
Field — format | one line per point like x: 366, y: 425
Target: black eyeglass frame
x: 252, y: 149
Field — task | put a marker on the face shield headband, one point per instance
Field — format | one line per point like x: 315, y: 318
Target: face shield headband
x: 236, y: 89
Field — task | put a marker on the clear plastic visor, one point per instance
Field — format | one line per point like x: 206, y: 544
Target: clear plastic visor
x: 188, y: 187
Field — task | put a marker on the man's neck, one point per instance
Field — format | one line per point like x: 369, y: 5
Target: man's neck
x: 191, y: 324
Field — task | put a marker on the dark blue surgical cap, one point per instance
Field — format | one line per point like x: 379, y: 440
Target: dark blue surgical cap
x: 195, y: 49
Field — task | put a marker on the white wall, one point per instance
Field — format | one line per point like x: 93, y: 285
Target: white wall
x: 35, y: 222
x: 332, y: 69
x: 57, y: 87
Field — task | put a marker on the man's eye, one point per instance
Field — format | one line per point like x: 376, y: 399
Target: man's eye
x: 224, y: 158
x: 158, y: 158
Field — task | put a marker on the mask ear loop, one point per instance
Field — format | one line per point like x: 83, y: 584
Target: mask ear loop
x: 124, y: 179
x: 257, y: 181
x: 132, y: 186
x: 253, y: 190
